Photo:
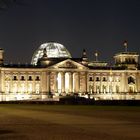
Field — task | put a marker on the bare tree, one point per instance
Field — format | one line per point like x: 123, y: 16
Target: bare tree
x: 4, y: 4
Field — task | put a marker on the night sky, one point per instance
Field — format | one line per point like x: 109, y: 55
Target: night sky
x: 100, y: 25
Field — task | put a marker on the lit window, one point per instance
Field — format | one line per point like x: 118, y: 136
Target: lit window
x: 110, y: 78
x: 117, y: 79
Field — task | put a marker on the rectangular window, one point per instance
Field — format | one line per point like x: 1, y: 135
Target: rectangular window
x: 30, y: 78
x: 15, y: 78
x: 22, y: 78
x: 104, y: 79
x: 90, y: 79
x: 97, y: 79
x: 37, y: 78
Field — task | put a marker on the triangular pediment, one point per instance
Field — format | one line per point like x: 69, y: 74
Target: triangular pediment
x: 68, y: 64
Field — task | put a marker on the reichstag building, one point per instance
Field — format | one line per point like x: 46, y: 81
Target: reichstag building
x: 53, y: 73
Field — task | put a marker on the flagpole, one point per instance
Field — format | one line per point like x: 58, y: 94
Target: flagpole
x: 126, y: 46
x: 96, y: 56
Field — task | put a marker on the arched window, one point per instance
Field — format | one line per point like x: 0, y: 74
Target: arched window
x: 30, y: 78
x: 104, y: 79
x: 15, y: 78
x: 90, y: 78
x: 22, y: 78
x: 37, y: 78
x: 97, y: 79
x: 131, y: 80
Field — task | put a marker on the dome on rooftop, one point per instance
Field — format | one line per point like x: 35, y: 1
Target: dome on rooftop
x: 54, y: 50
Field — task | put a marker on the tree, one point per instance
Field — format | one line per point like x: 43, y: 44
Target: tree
x: 4, y: 4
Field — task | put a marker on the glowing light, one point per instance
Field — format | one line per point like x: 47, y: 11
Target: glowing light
x: 117, y: 79
x: 54, y: 50
x: 125, y: 43
x: 110, y: 79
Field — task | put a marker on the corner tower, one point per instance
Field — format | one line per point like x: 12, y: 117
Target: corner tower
x: 127, y: 59
x: 84, y: 57
x: 1, y: 56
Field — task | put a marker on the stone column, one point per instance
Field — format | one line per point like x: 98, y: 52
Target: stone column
x: 55, y: 83
x: 43, y: 83
x: 63, y: 82
x: 33, y: 85
x: 48, y: 82
x: 137, y: 82
x: 82, y: 82
x: 123, y: 83
x: 2, y: 86
x: 74, y: 82
x: 70, y: 82
x: 2, y: 82
x: 77, y: 82
x: 85, y: 82
x: 138, y: 85
x: 101, y: 84
x: 88, y: 83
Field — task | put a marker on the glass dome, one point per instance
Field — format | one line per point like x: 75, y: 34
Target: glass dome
x: 54, y: 50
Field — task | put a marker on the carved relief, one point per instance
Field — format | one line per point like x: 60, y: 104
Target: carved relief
x: 68, y: 64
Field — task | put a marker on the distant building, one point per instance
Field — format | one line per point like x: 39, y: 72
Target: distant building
x: 54, y: 73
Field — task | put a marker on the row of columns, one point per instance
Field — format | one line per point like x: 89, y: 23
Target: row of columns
x: 56, y: 82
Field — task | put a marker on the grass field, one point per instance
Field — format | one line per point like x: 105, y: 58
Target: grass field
x: 69, y: 122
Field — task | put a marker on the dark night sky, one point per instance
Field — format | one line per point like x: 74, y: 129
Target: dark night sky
x: 100, y: 25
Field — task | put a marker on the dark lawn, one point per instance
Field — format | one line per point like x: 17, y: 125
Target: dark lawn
x: 69, y: 122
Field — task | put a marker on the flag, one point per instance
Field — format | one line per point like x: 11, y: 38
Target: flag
x: 96, y: 54
x: 125, y: 43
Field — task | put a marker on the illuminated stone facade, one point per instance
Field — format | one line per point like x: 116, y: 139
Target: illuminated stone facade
x: 54, y: 77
